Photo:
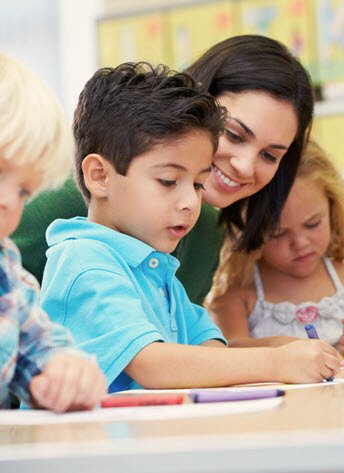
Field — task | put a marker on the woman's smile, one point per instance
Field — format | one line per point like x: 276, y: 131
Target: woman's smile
x: 225, y: 182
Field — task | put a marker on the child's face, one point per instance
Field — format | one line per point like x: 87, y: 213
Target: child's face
x: 159, y: 199
x: 304, y: 235
x: 252, y: 146
x: 17, y: 183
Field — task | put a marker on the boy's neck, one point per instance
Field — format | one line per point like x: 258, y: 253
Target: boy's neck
x: 98, y: 213
x: 99, y: 217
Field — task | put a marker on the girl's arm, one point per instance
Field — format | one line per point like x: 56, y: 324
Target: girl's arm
x: 170, y: 365
x: 231, y: 312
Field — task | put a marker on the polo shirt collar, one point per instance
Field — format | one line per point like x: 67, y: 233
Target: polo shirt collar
x: 131, y: 249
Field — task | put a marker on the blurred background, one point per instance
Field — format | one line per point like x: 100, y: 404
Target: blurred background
x: 65, y: 41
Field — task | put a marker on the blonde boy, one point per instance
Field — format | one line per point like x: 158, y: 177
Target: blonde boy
x: 38, y: 362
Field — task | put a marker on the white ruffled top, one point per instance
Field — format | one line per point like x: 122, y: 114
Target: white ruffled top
x: 285, y: 318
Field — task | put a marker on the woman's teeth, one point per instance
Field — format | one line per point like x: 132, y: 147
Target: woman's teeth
x: 226, y: 179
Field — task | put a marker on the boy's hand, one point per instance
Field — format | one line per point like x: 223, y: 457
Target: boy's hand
x: 307, y: 361
x: 68, y: 382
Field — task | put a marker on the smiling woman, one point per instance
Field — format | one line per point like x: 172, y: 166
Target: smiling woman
x: 269, y: 96
x: 252, y: 147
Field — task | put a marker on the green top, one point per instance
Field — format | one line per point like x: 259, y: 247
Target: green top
x: 198, y: 252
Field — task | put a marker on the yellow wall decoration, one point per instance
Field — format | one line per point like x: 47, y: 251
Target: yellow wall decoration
x: 290, y: 21
x: 135, y: 38
x: 330, y: 39
x: 194, y: 29
x: 328, y: 130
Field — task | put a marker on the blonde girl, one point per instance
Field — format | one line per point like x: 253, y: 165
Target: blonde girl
x: 265, y: 298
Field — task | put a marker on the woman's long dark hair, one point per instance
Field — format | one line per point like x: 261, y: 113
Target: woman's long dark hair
x: 254, y: 62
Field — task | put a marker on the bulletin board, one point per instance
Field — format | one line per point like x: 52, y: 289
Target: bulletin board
x: 194, y: 29
x: 330, y: 39
x: 142, y: 37
x: 290, y: 21
x: 326, y: 130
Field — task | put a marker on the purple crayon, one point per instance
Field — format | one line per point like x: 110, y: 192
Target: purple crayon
x: 312, y: 333
x: 200, y: 395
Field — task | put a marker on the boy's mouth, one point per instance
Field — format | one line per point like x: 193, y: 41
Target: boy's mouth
x: 178, y: 231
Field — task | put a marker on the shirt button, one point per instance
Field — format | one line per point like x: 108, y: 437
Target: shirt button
x: 161, y: 291
x: 153, y: 263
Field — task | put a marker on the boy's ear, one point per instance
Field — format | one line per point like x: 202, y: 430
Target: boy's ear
x: 96, y: 174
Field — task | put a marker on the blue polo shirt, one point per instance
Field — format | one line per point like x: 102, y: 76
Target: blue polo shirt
x: 117, y: 295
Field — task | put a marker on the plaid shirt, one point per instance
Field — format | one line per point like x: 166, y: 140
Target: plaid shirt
x: 27, y: 337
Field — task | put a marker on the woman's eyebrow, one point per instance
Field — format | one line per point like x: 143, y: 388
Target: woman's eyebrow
x: 251, y: 133
x: 244, y: 127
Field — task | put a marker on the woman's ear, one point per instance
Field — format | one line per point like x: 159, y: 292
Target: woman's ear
x: 96, y: 175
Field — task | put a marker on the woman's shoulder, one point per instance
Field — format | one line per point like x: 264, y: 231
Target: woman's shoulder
x: 209, y: 218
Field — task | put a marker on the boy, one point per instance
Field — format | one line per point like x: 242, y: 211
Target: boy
x: 145, y: 141
x: 38, y: 362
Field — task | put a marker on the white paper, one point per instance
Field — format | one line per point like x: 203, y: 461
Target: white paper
x: 36, y: 417
x: 241, y: 387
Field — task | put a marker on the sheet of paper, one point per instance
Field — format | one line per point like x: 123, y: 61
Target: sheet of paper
x: 242, y: 387
x: 36, y: 417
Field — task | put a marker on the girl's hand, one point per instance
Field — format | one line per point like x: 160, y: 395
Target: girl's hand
x: 68, y: 382
x: 341, y: 343
x: 307, y: 361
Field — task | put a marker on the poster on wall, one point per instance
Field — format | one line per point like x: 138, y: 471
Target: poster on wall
x: 290, y: 21
x: 195, y: 28
x: 330, y: 39
x: 141, y: 37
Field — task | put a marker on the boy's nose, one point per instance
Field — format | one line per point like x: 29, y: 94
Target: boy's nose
x: 190, y: 201
x: 9, y: 196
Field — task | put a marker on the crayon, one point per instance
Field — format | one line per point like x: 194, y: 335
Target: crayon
x: 312, y: 333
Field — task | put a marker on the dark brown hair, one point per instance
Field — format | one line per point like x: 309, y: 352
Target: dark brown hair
x: 125, y: 111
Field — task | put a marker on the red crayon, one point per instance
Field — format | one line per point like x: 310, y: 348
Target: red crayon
x: 142, y: 400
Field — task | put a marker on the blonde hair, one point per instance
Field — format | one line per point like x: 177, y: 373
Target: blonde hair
x: 33, y: 127
x: 236, y: 268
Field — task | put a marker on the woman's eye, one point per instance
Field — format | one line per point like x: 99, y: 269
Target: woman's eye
x: 199, y: 186
x: 233, y: 137
x: 166, y: 182
x: 269, y: 157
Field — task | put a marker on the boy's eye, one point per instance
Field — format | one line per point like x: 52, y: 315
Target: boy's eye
x: 24, y: 193
x: 233, y: 137
x: 198, y: 186
x: 166, y: 182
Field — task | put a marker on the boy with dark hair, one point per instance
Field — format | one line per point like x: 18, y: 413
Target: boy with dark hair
x: 145, y: 141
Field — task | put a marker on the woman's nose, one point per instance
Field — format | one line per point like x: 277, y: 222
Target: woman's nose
x: 244, y: 164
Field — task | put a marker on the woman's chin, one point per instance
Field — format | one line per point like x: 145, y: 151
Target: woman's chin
x: 218, y: 199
